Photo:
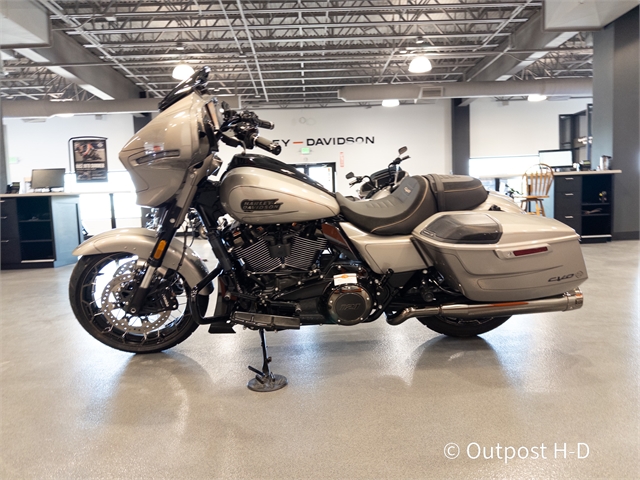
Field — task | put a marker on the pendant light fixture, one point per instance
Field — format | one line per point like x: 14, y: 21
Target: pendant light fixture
x: 182, y: 71
x: 420, y: 64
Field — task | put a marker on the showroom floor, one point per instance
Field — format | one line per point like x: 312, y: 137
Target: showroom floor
x: 546, y: 396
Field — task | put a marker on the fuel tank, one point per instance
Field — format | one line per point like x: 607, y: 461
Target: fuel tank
x: 261, y: 190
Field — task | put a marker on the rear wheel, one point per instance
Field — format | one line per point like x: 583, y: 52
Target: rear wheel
x: 462, y: 327
x: 99, y: 286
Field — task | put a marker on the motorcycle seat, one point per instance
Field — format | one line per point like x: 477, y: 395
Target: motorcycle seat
x: 396, y: 214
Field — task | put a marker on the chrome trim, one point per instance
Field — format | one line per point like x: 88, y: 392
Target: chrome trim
x: 571, y: 300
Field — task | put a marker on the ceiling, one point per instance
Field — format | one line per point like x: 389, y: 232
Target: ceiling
x: 286, y: 53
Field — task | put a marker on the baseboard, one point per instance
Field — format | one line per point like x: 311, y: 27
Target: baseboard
x: 626, y: 235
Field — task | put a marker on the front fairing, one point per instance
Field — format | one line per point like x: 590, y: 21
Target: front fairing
x: 159, y: 155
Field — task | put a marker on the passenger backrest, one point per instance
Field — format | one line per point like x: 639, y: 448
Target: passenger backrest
x: 456, y: 192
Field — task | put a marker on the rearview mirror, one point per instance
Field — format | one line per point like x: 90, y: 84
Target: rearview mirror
x: 402, y: 150
x: 350, y: 175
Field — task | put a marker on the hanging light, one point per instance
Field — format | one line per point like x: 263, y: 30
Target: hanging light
x: 390, y: 102
x: 182, y: 71
x: 420, y: 64
x: 536, y: 97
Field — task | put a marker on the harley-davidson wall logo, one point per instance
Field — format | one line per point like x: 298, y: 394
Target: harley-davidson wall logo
x: 260, y: 205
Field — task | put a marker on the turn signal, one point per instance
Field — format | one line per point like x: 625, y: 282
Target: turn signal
x: 160, y: 249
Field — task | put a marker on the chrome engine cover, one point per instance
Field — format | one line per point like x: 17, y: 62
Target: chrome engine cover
x: 349, y: 304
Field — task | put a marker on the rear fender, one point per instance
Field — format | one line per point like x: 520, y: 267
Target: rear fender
x: 141, y: 241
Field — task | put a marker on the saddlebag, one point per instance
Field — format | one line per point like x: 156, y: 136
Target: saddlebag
x: 456, y: 192
x: 502, y: 257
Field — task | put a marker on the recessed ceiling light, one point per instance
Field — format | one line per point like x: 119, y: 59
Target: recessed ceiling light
x: 390, y: 102
x: 111, y: 19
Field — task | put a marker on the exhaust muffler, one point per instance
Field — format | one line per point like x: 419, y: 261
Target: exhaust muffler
x: 571, y: 300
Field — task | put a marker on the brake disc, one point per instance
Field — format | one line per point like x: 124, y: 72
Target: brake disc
x: 113, y: 300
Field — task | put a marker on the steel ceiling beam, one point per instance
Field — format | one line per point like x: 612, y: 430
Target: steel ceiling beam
x: 103, y: 79
x: 279, y: 48
x: 529, y: 36
x: 288, y: 26
x: 389, y: 8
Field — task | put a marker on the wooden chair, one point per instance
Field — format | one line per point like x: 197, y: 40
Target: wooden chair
x: 536, y: 182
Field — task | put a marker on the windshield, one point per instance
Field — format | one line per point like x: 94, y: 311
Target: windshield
x: 195, y: 83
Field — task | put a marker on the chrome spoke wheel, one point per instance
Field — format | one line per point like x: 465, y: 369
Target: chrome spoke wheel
x: 99, y: 289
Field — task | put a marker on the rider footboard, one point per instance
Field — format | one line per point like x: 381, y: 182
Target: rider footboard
x: 498, y: 256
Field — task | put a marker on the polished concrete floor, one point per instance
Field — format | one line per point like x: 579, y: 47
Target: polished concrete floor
x: 544, y: 396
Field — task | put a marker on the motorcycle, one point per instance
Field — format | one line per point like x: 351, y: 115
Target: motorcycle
x: 383, y: 182
x: 438, y: 248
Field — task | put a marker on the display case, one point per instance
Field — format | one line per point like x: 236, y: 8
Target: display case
x: 39, y: 230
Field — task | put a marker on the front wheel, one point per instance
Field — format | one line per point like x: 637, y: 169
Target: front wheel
x: 462, y: 327
x: 98, y: 289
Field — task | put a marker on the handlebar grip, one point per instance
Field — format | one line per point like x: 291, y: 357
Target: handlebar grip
x: 266, y: 124
x: 267, y: 145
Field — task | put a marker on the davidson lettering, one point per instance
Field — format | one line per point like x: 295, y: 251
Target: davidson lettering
x: 340, y: 141
x: 260, y: 205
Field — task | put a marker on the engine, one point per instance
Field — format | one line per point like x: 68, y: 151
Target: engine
x: 277, y: 247
x: 293, y: 270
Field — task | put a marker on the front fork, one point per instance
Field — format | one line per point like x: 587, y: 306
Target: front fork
x: 171, y: 219
x: 169, y: 224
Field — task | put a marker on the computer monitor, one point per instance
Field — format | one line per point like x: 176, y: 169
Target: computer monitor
x: 47, y: 178
x: 557, y: 159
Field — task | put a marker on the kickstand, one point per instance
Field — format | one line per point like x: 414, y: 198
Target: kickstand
x: 265, y: 381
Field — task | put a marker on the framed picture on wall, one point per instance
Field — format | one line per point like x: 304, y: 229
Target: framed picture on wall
x: 89, y: 158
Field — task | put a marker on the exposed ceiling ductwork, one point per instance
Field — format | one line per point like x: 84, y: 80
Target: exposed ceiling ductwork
x: 295, y: 54
x: 372, y: 93
x: 28, y: 109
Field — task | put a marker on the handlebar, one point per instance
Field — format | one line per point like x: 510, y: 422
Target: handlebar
x: 244, y: 126
x: 358, y: 179
x: 399, y: 160
x: 265, y: 124
x: 266, y: 144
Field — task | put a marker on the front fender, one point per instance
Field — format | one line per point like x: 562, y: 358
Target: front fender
x: 140, y: 241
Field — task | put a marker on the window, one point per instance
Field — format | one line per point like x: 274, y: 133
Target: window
x: 323, y: 173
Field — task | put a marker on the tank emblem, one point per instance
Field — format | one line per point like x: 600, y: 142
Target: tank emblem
x: 260, y: 205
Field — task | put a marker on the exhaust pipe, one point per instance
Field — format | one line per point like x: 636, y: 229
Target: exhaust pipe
x: 567, y: 301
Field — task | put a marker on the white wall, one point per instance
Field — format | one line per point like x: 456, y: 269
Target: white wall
x: 518, y: 128
x: 424, y: 129
x: 46, y: 144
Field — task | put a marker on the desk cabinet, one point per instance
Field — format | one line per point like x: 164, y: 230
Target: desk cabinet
x: 583, y: 200
x: 39, y: 230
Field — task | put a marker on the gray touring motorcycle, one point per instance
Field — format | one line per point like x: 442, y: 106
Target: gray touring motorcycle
x: 438, y: 248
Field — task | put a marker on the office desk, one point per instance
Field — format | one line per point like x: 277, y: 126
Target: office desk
x: 39, y: 230
x: 584, y: 201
